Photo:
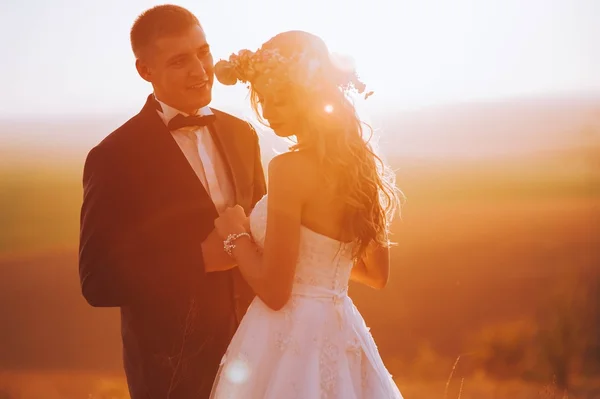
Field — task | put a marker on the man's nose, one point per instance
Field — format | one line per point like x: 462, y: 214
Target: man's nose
x: 198, y: 69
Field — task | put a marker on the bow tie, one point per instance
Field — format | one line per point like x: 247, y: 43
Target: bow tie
x: 180, y: 121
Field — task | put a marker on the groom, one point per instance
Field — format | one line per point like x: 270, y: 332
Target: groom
x: 152, y: 190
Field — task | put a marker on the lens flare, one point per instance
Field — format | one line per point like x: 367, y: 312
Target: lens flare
x: 329, y: 108
x: 237, y: 372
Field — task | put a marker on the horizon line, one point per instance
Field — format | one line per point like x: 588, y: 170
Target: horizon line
x: 553, y: 95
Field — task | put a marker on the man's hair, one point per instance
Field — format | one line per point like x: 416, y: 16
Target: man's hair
x: 157, y: 22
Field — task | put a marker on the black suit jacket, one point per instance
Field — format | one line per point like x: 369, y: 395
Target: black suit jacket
x: 143, y: 219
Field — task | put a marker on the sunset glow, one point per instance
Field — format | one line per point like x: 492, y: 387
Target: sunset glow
x: 410, y: 53
x: 487, y: 114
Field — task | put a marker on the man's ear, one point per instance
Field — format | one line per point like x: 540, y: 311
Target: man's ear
x: 143, y: 70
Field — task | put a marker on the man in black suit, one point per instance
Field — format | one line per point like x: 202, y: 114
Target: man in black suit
x: 152, y: 189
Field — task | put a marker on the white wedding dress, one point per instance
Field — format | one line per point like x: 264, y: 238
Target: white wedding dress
x: 317, y: 346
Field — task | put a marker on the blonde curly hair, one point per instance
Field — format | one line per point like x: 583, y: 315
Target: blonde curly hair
x: 301, y: 64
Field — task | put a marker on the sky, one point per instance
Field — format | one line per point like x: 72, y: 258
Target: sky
x: 73, y: 57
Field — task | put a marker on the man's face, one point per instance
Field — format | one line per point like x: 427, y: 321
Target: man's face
x: 180, y: 68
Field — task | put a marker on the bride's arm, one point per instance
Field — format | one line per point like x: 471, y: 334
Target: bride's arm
x: 271, y: 273
x: 373, y: 269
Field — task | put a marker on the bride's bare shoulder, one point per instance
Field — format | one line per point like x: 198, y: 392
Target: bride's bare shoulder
x: 294, y: 169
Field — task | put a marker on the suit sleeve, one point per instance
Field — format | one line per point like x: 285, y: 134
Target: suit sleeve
x: 102, y: 234
x: 260, y: 185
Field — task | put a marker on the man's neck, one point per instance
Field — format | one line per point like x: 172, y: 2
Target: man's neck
x: 167, y: 112
x: 175, y: 108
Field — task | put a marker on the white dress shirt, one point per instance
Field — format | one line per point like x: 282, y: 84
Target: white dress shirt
x: 197, y: 145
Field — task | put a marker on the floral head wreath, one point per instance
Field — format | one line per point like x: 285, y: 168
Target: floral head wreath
x: 301, y: 70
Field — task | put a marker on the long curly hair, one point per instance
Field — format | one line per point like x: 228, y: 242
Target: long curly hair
x: 330, y: 126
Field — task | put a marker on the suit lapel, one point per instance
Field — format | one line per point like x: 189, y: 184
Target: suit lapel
x: 169, y: 156
x: 223, y: 134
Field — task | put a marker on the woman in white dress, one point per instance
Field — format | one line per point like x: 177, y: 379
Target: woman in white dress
x: 323, y: 222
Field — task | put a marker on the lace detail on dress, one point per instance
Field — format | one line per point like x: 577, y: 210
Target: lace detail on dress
x: 328, y: 367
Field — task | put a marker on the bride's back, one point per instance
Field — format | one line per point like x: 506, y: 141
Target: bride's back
x: 324, y: 210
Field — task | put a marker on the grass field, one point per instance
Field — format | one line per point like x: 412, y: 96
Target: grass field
x: 489, y: 255
x: 75, y: 385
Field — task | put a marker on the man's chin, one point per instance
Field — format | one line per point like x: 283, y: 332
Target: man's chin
x: 205, y: 102
x: 199, y: 102
x: 198, y: 98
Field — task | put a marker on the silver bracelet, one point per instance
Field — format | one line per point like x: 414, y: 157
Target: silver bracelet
x: 228, y: 244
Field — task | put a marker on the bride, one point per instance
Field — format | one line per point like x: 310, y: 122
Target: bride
x: 324, y: 221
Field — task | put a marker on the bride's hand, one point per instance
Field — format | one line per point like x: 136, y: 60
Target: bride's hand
x: 231, y: 221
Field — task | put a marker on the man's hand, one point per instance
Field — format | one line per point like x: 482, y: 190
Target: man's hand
x: 215, y: 257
